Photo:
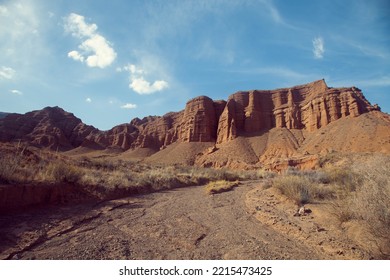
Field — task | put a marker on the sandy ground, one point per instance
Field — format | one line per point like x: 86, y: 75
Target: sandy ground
x: 249, y: 222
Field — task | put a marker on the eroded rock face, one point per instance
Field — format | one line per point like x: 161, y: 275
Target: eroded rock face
x: 199, y: 123
x: 50, y: 127
x: 306, y: 107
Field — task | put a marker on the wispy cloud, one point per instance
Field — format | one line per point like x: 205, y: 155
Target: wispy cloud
x: 139, y: 84
x: 16, y: 92
x: 380, y: 81
x: 276, y: 71
x: 208, y: 50
x: 88, y: 100
x: 366, y: 47
x: 6, y: 73
x: 95, y: 50
x: 273, y: 11
x: 318, y: 47
x: 18, y: 21
x: 383, y: 81
x: 129, y: 106
x: 279, y: 76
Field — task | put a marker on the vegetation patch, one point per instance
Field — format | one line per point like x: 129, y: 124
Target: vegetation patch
x: 294, y: 187
x: 108, y: 177
x: 220, y: 186
x: 358, y: 191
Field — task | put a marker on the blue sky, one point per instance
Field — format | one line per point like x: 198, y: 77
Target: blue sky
x: 111, y: 61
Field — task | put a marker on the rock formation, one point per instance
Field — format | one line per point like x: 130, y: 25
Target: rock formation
x: 306, y: 107
x: 50, y: 127
x: 3, y: 115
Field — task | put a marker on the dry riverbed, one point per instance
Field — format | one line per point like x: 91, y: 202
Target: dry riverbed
x: 186, y: 223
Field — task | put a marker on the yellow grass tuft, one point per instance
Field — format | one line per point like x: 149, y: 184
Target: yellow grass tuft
x: 220, y: 186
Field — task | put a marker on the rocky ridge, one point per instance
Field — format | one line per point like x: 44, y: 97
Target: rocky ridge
x: 50, y: 127
x: 3, y: 115
x: 305, y: 108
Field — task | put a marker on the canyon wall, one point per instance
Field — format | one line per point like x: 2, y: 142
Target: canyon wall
x: 245, y: 113
x: 308, y: 107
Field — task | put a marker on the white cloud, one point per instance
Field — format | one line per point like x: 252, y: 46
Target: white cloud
x: 134, y: 70
x: 3, y: 10
x: 76, y: 25
x: 76, y: 56
x: 16, y: 92
x: 23, y: 34
x: 318, y: 47
x: 18, y: 22
x: 139, y: 84
x: 89, y: 100
x: 129, y: 106
x: 6, y: 73
x: 95, y: 50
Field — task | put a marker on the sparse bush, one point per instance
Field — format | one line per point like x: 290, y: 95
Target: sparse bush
x: 342, y: 209
x: 265, y: 174
x: 346, y: 179
x: 315, y: 176
x: 372, y: 202
x: 329, y: 159
x: 323, y: 191
x: 159, y: 179
x: 8, y: 169
x: 294, y: 187
x: 64, y: 173
x: 14, y: 170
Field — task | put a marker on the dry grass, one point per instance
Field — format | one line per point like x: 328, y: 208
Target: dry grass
x: 61, y: 172
x: 371, y: 202
x: 294, y: 187
x: 306, y: 186
x: 358, y: 191
x: 220, y: 186
x: 108, y: 177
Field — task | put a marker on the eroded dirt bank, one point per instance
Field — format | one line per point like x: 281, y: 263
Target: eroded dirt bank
x: 178, y: 224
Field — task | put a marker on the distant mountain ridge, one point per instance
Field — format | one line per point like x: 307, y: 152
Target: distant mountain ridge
x: 297, y: 112
x: 3, y: 114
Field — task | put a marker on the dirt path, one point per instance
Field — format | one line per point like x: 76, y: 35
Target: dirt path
x: 179, y: 224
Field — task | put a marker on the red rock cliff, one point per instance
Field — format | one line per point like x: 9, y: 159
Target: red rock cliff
x: 307, y: 107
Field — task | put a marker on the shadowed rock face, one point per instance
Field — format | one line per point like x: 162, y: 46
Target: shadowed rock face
x: 306, y: 107
x: 3, y: 115
x: 50, y: 127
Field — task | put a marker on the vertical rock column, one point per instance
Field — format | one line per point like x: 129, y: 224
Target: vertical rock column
x: 199, y: 122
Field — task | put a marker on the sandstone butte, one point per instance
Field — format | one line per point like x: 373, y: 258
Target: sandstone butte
x: 275, y: 127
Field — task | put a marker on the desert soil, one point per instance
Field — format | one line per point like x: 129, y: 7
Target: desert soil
x: 249, y: 222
